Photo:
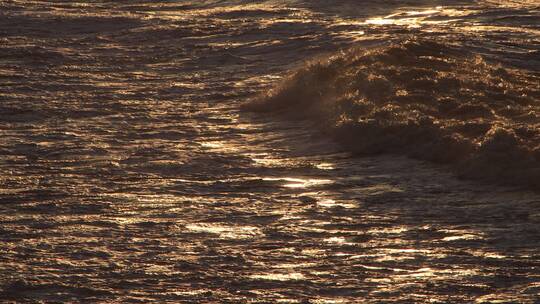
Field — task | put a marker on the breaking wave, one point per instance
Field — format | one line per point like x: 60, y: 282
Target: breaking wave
x: 429, y: 100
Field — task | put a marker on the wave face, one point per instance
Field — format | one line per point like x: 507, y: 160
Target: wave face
x: 430, y: 100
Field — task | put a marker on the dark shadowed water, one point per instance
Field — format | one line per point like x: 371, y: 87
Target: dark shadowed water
x: 129, y: 174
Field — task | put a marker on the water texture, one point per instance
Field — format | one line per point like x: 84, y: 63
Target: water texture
x: 129, y: 173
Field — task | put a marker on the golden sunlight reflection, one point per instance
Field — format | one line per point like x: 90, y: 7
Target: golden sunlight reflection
x: 191, y: 292
x: 461, y: 237
x: 296, y: 182
x: 403, y: 254
x: 158, y: 269
x: 267, y: 160
x: 294, y: 265
x: 198, y: 13
x: 226, y: 232
x: 460, y: 234
x: 336, y: 240
x: 492, y: 28
x: 313, y: 252
x: 381, y: 188
x: 325, y: 166
x: 438, y: 274
x: 279, y: 276
x: 127, y: 220
x: 330, y: 203
x: 417, y: 18
x: 408, y: 276
x: 188, y: 85
x: 393, y: 230
x: 213, y: 144
x: 274, y: 160
x: 487, y: 254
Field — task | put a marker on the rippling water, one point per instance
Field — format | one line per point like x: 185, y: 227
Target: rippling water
x: 129, y: 174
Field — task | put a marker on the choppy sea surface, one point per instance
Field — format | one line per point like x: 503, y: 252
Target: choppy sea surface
x: 128, y: 172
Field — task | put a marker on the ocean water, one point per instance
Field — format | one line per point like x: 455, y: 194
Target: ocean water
x: 429, y: 100
x: 129, y: 171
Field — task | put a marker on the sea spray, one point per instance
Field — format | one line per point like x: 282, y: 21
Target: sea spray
x: 429, y: 100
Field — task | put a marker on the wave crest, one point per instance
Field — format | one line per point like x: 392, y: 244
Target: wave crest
x: 429, y: 100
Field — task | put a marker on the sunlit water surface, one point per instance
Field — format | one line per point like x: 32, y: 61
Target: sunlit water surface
x: 129, y: 174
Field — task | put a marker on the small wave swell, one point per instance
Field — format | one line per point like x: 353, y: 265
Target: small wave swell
x: 432, y: 101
